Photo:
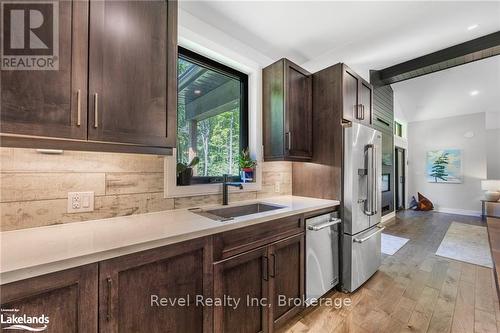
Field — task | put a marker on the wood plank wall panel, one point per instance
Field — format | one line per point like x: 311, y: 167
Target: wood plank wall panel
x: 383, y: 108
x: 34, y: 186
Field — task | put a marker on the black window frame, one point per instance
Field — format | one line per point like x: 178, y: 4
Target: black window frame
x: 188, y: 55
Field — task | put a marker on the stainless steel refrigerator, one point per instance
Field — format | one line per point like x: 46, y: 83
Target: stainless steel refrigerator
x: 361, y: 239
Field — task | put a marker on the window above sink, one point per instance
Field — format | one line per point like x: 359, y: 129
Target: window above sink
x: 212, y: 117
x: 250, y: 139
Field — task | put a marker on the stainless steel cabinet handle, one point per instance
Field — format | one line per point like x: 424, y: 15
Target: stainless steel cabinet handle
x: 364, y: 239
x: 108, y: 311
x: 289, y: 141
x: 360, y: 112
x: 78, y: 108
x: 319, y: 226
x: 96, y: 112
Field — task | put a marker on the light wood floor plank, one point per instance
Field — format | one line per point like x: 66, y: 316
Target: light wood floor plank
x: 421, y: 316
x: 414, y: 290
x: 484, y: 292
x: 485, y: 322
x: 463, y: 318
x: 445, y: 305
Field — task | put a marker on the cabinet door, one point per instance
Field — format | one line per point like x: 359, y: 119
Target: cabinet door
x: 132, y: 72
x: 51, y: 102
x: 366, y: 102
x: 68, y: 298
x: 298, y: 108
x: 128, y: 287
x: 244, y: 278
x: 350, y: 95
x: 286, y: 271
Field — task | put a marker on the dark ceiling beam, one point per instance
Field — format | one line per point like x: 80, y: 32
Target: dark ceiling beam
x: 473, y: 50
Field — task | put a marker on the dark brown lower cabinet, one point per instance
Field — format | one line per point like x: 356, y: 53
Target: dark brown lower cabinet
x: 258, y: 278
x: 168, y: 289
x: 287, y: 278
x: 132, y: 289
x: 244, y: 277
x: 68, y: 298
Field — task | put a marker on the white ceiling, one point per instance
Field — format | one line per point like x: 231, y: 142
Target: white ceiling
x: 369, y: 35
x: 448, y: 93
x: 365, y: 35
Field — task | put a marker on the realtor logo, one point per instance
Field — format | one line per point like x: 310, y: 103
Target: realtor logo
x: 30, y: 35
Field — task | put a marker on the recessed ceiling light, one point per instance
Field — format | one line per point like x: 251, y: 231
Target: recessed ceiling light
x: 474, y: 92
x: 197, y: 92
x: 472, y: 27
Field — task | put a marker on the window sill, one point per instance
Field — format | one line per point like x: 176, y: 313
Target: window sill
x: 171, y: 190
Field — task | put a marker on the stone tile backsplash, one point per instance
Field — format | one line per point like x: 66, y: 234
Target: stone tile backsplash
x: 34, y: 186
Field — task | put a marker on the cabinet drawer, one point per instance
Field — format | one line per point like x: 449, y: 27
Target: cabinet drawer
x: 230, y: 243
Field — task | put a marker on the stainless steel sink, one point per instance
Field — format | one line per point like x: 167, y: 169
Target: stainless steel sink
x: 229, y: 213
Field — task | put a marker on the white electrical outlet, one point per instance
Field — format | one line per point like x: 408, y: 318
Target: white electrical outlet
x: 79, y: 202
x: 277, y: 187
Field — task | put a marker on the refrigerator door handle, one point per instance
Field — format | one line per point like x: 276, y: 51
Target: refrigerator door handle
x: 375, y: 181
x: 364, y: 239
x: 371, y: 180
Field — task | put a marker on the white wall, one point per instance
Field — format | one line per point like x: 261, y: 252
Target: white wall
x: 493, y: 144
x: 450, y: 133
x: 493, y: 151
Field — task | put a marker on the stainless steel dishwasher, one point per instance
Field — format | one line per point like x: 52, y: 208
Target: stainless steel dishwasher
x: 322, y: 255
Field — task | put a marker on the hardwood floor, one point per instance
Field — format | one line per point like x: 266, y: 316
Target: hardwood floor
x: 414, y: 290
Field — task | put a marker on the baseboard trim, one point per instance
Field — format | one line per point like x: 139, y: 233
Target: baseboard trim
x: 388, y: 218
x: 458, y: 211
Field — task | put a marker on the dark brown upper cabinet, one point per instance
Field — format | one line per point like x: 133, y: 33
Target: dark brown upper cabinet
x: 126, y: 53
x: 132, y: 72
x: 357, y: 96
x: 287, y: 112
x: 51, y: 102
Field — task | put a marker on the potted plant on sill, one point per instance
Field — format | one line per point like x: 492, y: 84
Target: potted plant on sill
x: 185, y: 172
x: 247, y: 167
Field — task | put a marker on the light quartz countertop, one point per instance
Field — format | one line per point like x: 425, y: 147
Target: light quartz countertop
x: 36, y: 251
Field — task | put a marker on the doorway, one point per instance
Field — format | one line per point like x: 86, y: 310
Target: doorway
x: 400, y: 178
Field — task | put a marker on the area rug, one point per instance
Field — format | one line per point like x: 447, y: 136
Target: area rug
x: 467, y: 243
x: 391, y: 244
